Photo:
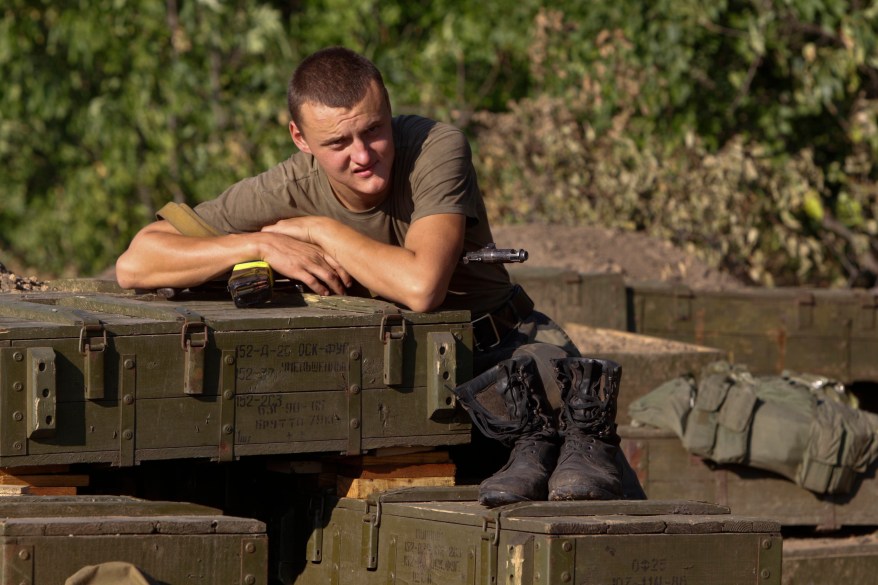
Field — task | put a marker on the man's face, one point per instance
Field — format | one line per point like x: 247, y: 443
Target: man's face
x: 354, y: 146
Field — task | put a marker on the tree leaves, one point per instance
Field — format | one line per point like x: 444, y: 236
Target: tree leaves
x: 632, y: 112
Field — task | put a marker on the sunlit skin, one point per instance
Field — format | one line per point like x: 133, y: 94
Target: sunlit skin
x: 354, y: 147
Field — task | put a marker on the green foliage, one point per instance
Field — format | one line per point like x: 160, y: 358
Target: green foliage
x: 744, y: 130
x: 110, y: 111
x: 444, y: 58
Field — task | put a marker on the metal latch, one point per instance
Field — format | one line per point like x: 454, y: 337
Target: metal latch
x: 490, y: 545
x: 92, y: 343
x: 193, y: 340
x: 369, y: 542
x: 392, y: 333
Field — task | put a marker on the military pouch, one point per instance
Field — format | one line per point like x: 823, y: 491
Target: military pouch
x: 842, y: 444
x: 718, y: 426
x: 781, y: 424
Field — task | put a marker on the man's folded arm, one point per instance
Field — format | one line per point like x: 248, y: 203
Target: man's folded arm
x: 415, y: 274
x: 159, y: 256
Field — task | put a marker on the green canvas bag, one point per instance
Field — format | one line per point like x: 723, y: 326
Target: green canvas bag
x: 803, y: 427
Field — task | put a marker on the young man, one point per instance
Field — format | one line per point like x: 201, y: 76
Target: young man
x: 390, y: 205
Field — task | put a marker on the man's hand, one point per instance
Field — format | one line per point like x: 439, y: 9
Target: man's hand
x: 415, y: 274
x: 303, y: 261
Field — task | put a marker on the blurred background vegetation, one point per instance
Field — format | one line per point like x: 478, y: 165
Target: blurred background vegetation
x: 744, y: 131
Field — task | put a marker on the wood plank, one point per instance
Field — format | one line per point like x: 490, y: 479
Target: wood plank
x: 400, y: 471
x: 52, y: 491
x: 398, y: 458
x: 36, y: 469
x: 363, y: 488
x: 44, y: 480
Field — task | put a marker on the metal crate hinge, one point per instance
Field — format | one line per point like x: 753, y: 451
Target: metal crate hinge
x: 355, y: 402
x: 554, y: 560
x: 770, y: 559
x: 92, y: 346
x: 392, y: 333
x: 369, y: 541
x: 127, y: 409
x: 227, y: 391
x: 18, y: 564
x: 193, y: 340
x: 314, y: 547
x: 336, y: 552
x: 869, y: 320
x: 254, y: 552
x: 391, y: 561
x: 41, y: 392
x: 573, y: 290
x: 683, y: 300
x: 488, y: 553
x: 805, y: 304
x: 442, y: 376
x: 13, y: 399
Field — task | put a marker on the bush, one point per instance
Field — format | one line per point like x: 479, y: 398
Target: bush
x: 612, y: 139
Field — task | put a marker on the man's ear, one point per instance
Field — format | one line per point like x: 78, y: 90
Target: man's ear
x: 299, y: 138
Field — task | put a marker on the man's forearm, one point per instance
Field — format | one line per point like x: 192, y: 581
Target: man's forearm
x: 159, y: 259
x: 416, y: 274
x: 159, y: 256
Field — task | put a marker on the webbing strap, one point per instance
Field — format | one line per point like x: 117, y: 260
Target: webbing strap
x: 186, y: 221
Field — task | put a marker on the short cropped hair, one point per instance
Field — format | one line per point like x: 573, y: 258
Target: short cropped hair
x: 335, y: 77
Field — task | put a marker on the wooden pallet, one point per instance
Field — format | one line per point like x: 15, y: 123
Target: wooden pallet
x: 42, y: 480
x: 359, y: 477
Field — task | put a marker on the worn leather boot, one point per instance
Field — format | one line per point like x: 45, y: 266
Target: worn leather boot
x: 507, y: 403
x: 588, y: 465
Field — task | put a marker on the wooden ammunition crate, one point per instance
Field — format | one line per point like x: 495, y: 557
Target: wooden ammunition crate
x: 47, y: 539
x: 440, y: 535
x: 831, y: 560
x: 828, y: 332
x: 88, y: 377
x: 667, y: 470
x: 596, y: 299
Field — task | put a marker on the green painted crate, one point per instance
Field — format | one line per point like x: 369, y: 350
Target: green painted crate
x: 442, y: 535
x: 47, y: 539
x: 93, y: 377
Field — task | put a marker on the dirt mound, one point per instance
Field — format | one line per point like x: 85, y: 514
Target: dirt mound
x: 636, y: 256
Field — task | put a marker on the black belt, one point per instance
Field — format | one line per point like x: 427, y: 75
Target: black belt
x: 491, y: 328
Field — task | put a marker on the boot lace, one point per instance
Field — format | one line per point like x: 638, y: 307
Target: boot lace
x: 589, y: 398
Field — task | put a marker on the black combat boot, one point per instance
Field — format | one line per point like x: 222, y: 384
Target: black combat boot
x: 589, y: 463
x: 508, y: 403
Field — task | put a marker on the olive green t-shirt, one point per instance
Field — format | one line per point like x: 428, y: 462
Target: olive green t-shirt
x: 432, y: 173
